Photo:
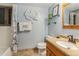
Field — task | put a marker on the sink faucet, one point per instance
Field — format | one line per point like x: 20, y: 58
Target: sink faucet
x: 71, y: 39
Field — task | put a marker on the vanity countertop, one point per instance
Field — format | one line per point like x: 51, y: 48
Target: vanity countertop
x: 69, y: 52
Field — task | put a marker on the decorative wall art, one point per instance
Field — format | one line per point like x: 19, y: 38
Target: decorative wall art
x: 55, y: 10
x: 31, y: 14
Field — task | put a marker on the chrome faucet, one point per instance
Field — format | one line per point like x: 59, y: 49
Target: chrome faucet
x: 71, y: 39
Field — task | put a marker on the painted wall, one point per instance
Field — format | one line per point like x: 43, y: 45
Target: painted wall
x: 56, y: 29
x: 30, y: 39
x: 5, y: 38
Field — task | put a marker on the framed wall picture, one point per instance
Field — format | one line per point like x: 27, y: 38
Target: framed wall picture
x: 55, y: 10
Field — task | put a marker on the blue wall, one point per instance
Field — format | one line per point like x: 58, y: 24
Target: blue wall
x: 30, y: 39
x: 56, y: 29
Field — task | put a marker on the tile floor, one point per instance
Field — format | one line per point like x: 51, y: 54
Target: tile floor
x: 27, y: 52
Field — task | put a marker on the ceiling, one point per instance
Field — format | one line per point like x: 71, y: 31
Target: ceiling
x: 6, y: 4
x: 42, y: 5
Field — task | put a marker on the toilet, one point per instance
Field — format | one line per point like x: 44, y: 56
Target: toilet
x: 41, y: 48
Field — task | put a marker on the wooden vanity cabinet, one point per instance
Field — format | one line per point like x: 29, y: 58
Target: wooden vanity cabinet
x: 52, y: 50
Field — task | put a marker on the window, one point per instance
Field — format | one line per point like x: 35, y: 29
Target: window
x: 5, y: 16
x: 1, y: 15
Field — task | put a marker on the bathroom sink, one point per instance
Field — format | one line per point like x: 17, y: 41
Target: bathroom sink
x: 67, y: 45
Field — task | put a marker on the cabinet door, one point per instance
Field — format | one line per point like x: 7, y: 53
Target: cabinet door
x: 49, y: 53
x: 54, y: 50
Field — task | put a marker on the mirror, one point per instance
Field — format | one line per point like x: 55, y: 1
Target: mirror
x: 70, y: 15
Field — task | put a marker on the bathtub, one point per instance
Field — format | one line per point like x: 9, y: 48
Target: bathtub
x: 7, y: 52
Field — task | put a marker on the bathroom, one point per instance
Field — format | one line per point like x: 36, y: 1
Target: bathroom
x: 25, y: 39
x: 20, y: 41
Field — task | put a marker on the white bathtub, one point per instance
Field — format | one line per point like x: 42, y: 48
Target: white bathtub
x: 7, y: 52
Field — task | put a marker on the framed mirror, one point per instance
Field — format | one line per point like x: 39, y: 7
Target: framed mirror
x: 70, y: 15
